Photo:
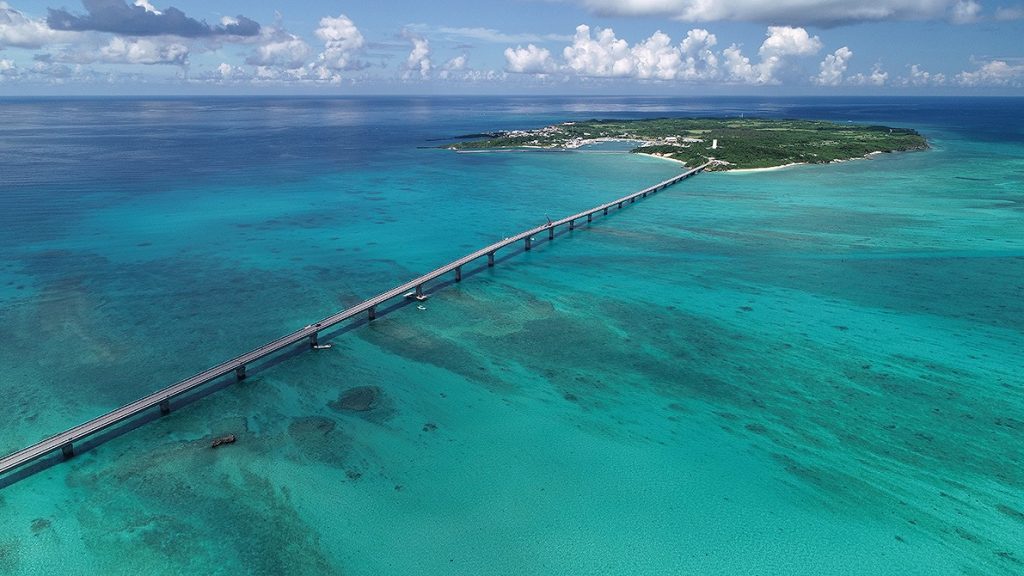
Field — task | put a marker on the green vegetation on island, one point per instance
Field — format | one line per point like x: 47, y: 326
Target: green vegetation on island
x: 730, y: 143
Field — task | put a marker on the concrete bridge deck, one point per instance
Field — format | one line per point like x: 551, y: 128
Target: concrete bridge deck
x: 65, y: 440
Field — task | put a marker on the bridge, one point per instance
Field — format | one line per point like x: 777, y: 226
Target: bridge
x: 65, y: 441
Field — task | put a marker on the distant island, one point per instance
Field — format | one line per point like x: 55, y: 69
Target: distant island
x: 728, y: 143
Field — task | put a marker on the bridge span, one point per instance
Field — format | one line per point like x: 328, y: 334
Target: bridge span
x: 65, y: 441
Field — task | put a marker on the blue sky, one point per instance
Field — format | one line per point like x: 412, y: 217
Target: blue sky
x: 516, y: 46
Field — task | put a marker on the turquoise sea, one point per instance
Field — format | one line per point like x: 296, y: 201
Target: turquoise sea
x: 816, y: 370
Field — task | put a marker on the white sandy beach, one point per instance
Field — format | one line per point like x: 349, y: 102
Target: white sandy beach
x: 745, y: 170
x: 660, y: 157
x: 768, y: 169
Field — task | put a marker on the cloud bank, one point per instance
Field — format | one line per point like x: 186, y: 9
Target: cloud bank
x: 794, y: 12
x: 20, y: 31
x: 994, y: 73
x: 600, y: 54
x: 142, y: 19
x: 128, y: 33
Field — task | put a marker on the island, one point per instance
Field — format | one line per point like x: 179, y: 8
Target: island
x: 727, y: 143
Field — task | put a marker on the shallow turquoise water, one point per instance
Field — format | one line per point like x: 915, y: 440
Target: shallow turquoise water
x: 808, y: 371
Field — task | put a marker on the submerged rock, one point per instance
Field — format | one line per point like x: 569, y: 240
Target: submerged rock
x: 229, y: 439
x: 358, y: 399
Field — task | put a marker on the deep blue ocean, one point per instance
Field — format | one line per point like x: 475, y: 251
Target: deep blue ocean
x: 815, y: 370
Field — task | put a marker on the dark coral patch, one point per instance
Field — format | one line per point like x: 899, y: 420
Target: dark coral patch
x: 40, y: 524
x: 358, y: 399
x: 320, y: 440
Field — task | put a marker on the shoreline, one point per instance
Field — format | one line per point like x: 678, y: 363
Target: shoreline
x: 768, y: 168
x: 660, y: 157
x: 867, y: 156
x: 743, y: 170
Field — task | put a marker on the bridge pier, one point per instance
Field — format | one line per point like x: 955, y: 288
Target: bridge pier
x: 490, y: 259
x: 240, y: 373
x: 165, y: 407
x: 620, y: 205
x: 590, y: 218
x: 314, y: 340
x: 632, y: 199
x: 551, y: 232
x: 68, y: 450
x: 419, y: 291
x: 605, y: 211
x: 371, y: 312
x: 528, y: 245
x: 458, y: 273
x: 572, y: 224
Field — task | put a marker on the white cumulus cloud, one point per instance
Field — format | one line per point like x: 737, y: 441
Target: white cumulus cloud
x: 458, y: 70
x: 8, y: 68
x: 343, y: 44
x: 919, y: 77
x: 20, y: 31
x: 789, y: 41
x: 782, y: 44
x: 127, y: 50
x: 657, y: 57
x: 460, y: 62
x: 833, y: 67
x: 529, y: 60
x: 700, y: 60
x: 279, y: 48
x: 227, y: 72
x: 601, y: 56
x: 738, y: 67
x: 483, y: 76
x: 993, y: 73
x: 450, y: 68
x: 418, y: 62
x: 143, y: 51
x: 877, y: 77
